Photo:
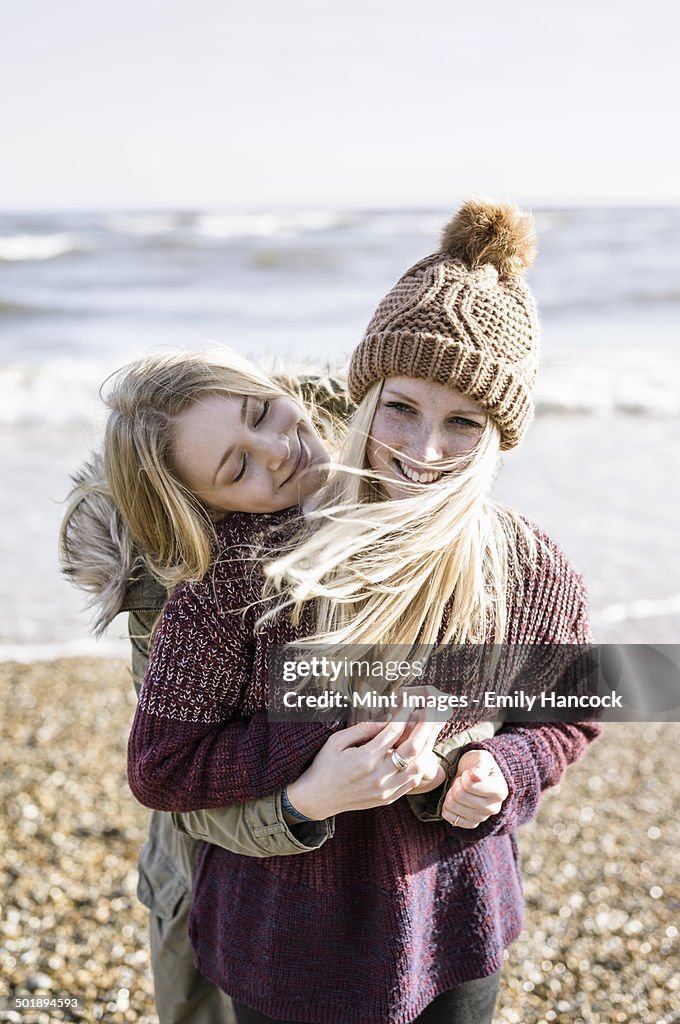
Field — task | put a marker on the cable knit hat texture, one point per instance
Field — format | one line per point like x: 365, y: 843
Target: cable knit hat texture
x: 463, y: 317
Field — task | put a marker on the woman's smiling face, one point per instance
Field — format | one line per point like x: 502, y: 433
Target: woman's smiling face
x: 244, y: 454
x: 417, y: 425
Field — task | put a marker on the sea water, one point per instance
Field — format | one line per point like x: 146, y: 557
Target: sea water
x: 83, y: 293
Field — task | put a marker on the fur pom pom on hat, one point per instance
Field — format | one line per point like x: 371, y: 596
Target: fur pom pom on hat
x: 463, y: 317
x: 491, y: 233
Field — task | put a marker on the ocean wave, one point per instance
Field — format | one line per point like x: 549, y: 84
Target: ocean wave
x: 55, y: 394
x: 144, y: 224
x: 81, y: 648
x: 64, y: 392
x: 119, y: 647
x: 190, y: 229
x: 655, y: 296
x: 12, y: 309
x: 259, y: 224
x: 625, y: 382
x: 21, y: 248
x: 649, y: 608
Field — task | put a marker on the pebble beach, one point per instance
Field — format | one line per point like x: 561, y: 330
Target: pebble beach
x: 600, y: 944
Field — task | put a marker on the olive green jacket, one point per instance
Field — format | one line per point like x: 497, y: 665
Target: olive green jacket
x: 256, y: 828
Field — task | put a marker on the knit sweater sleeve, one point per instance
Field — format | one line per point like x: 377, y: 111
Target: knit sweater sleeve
x: 534, y: 757
x: 192, y: 745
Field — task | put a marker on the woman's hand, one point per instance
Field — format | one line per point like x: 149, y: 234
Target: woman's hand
x: 477, y: 792
x: 354, y: 770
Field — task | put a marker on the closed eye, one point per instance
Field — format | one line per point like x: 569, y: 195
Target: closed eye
x: 242, y: 470
x: 266, y: 404
x: 262, y: 415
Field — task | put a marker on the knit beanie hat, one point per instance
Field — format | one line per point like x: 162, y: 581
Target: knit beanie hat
x: 463, y: 317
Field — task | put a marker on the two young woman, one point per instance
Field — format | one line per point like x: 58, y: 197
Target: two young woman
x: 172, y: 421
x: 394, y: 919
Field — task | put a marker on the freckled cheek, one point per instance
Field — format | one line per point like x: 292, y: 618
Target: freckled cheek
x: 386, y: 442
x: 376, y: 455
x: 460, y: 444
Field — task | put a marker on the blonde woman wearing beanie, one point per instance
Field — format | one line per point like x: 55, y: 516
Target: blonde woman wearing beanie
x: 396, y: 919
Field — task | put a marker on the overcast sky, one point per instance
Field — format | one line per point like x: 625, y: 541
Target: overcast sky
x: 217, y: 102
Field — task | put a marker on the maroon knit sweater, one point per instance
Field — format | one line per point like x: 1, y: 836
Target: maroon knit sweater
x: 372, y: 926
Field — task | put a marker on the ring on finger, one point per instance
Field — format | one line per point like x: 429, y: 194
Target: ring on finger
x: 456, y: 820
x: 398, y: 761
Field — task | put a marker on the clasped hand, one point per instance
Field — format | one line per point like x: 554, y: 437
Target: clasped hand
x: 354, y: 770
x: 477, y: 792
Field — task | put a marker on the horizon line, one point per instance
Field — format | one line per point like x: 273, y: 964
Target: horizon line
x: 339, y: 204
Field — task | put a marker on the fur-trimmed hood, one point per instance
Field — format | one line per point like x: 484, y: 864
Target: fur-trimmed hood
x: 98, y: 554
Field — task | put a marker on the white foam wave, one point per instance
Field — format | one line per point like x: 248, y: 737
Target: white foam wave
x: 428, y: 223
x: 65, y: 392
x: 56, y: 394
x: 143, y: 224
x: 85, y: 648
x: 641, y: 383
x: 643, y: 609
x: 119, y: 647
x: 266, y: 224
x: 18, y: 248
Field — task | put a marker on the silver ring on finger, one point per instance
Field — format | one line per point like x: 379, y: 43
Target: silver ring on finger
x: 399, y: 762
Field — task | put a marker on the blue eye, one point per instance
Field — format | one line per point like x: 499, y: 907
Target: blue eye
x: 461, y: 421
x: 398, y: 407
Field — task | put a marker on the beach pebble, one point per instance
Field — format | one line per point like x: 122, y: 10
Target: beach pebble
x: 600, y: 942
x: 38, y: 982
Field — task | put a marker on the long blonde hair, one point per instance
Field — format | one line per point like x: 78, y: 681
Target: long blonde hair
x: 428, y: 568
x: 168, y: 523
